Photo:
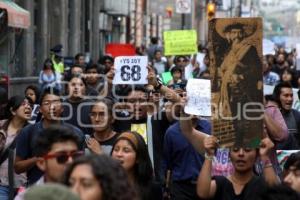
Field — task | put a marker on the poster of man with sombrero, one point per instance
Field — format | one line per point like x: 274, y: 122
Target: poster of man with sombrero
x: 236, y: 57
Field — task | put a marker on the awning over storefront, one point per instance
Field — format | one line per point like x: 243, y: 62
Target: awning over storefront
x: 17, y: 16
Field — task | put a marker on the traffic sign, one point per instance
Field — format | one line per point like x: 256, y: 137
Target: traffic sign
x: 183, y: 6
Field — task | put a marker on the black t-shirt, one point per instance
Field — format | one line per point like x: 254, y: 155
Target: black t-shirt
x: 108, y: 144
x: 77, y: 114
x: 160, y: 124
x: 251, y: 191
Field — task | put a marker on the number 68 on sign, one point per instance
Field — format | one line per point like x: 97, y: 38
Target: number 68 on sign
x: 131, y: 70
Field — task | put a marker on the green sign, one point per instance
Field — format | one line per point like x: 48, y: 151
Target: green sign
x: 180, y: 42
x: 166, y: 77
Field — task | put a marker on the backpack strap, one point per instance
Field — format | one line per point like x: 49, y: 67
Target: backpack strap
x: 5, y: 153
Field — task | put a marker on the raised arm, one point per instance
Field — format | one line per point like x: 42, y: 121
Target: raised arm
x: 268, y: 171
x: 194, y: 136
x: 206, y: 187
x: 168, y: 93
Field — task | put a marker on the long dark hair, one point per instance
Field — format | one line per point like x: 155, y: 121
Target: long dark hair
x: 111, y: 177
x: 143, y: 171
x: 36, y: 91
x: 48, y: 61
x: 13, y: 104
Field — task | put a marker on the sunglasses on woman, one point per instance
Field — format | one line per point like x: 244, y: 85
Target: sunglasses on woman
x: 63, y: 157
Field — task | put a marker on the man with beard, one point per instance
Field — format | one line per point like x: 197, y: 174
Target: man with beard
x: 240, y: 83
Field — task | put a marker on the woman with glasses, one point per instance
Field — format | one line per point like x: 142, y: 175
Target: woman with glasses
x: 48, y: 76
x: 18, y: 112
x: 243, y: 184
x: 99, y: 178
x: 131, y: 151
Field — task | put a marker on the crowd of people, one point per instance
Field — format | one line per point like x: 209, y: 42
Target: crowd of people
x: 75, y: 135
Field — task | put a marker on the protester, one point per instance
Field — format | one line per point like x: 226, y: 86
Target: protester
x: 269, y: 77
x: 242, y: 184
x: 94, y: 81
x: 48, y: 76
x: 154, y: 46
x: 33, y: 93
x: 77, y: 106
x: 51, y: 109
x: 182, y: 160
x: 107, y: 63
x: 55, y: 148
x: 102, y: 119
x: 131, y: 150
x: 159, y: 62
x: 152, y: 127
x: 288, y: 75
x: 98, y: 178
x: 176, y: 73
x: 292, y: 172
x: 80, y: 59
x: 283, y: 95
x: 18, y: 112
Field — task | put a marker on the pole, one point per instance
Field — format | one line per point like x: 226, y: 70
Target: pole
x: 182, y: 21
x: 240, y: 8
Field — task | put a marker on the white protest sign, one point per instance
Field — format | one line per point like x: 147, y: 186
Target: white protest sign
x: 199, y: 97
x: 268, y: 47
x: 131, y: 70
x: 188, y: 71
x: 200, y: 60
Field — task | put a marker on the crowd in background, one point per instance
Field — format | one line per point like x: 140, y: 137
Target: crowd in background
x: 105, y: 141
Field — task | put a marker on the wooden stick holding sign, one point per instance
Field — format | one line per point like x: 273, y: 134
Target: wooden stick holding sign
x: 131, y: 70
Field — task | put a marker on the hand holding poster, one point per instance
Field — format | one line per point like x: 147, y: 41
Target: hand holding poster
x: 131, y: 70
x: 180, y: 42
x: 199, y: 97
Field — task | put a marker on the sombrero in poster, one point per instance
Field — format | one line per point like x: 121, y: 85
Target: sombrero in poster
x: 249, y: 25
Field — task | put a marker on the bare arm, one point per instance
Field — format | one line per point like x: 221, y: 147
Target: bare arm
x: 206, y: 188
x: 24, y: 165
x: 269, y: 173
x: 194, y: 136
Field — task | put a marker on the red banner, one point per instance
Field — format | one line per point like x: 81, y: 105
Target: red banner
x: 114, y: 50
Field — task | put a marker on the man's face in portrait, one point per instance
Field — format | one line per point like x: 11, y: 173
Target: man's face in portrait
x: 235, y: 35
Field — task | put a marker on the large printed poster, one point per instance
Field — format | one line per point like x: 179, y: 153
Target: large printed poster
x: 235, y: 49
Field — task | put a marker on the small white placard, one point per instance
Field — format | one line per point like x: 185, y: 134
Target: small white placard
x: 131, y: 70
x: 188, y: 71
x: 198, y: 97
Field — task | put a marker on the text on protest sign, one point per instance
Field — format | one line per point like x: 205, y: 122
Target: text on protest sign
x: 199, y: 97
x: 180, y: 42
x: 131, y: 70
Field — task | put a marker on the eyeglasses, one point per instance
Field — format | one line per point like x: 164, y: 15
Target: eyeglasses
x: 26, y: 103
x: 63, y: 157
x: 49, y: 102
